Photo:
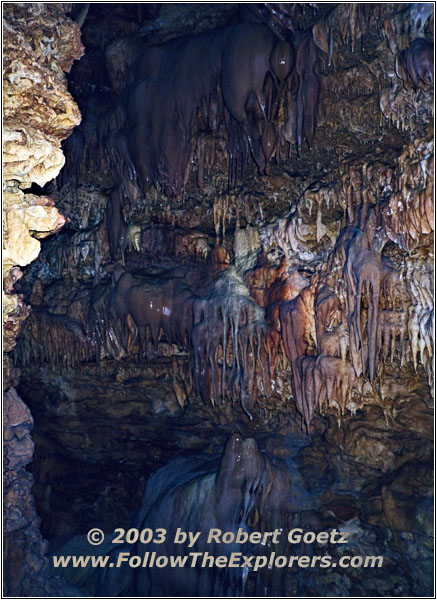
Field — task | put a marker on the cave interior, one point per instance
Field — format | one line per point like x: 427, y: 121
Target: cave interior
x: 233, y: 326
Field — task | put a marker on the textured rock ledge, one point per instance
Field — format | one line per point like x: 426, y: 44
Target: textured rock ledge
x: 40, y: 45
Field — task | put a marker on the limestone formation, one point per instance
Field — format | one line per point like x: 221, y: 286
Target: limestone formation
x: 40, y: 45
x: 249, y: 256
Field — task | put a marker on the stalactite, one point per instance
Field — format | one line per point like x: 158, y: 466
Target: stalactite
x: 405, y: 219
x: 56, y: 340
x: 407, y: 25
x: 360, y: 315
x: 421, y: 315
x: 363, y: 276
x: 207, y: 280
x: 240, y: 86
x: 353, y: 310
x: 230, y: 325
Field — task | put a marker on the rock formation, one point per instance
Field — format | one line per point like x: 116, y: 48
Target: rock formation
x: 248, y: 246
x: 40, y: 45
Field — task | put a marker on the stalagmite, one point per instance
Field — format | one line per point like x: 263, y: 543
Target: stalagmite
x: 240, y: 260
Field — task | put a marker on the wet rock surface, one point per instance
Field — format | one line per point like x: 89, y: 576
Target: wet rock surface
x: 199, y: 297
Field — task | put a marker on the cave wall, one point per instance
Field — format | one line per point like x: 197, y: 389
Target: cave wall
x: 39, y: 46
x: 292, y: 303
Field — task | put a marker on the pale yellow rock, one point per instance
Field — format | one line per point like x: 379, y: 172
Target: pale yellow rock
x: 29, y: 157
x: 39, y: 45
x: 246, y: 245
x: 21, y: 219
x: 10, y: 304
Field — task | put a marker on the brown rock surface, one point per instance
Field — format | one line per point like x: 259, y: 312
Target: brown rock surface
x: 39, y: 45
x: 295, y: 308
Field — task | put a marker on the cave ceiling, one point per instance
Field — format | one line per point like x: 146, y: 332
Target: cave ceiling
x: 244, y: 246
